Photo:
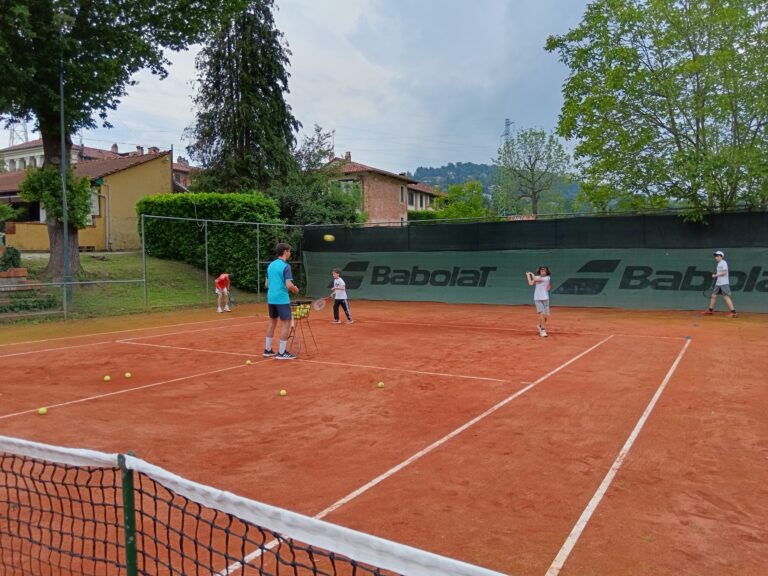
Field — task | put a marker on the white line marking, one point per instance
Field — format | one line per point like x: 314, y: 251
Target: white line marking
x: 420, y: 454
x: 121, y: 331
x: 164, y: 334
x: 56, y: 349
x: 127, y: 341
x: 573, y: 537
x: 516, y: 330
x: 425, y: 373
x: 251, y: 355
x: 99, y: 396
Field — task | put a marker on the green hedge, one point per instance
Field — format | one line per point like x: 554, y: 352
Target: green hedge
x: 232, y: 248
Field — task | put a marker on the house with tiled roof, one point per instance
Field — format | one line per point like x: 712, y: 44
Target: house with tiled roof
x: 117, y: 184
x: 386, y: 196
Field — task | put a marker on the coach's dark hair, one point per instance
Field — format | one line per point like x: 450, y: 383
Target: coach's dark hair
x: 336, y: 270
x: 549, y: 272
x: 282, y: 248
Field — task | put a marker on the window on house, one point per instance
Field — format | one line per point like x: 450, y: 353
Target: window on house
x: 421, y: 200
x: 402, y: 194
x: 410, y: 198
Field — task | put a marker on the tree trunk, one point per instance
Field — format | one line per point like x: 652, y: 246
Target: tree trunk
x: 55, y: 269
x: 51, y: 132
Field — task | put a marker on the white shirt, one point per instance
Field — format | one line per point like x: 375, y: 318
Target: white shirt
x: 722, y: 266
x: 339, y: 289
x: 541, y: 292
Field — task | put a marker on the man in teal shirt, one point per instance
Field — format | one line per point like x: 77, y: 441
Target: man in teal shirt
x: 279, y: 283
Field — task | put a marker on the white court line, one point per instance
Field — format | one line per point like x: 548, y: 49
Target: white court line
x: 115, y: 393
x: 516, y: 330
x: 185, y: 332
x: 185, y: 348
x: 388, y: 369
x: 56, y: 349
x: 573, y: 537
x: 121, y: 331
x: 420, y: 454
x: 127, y: 341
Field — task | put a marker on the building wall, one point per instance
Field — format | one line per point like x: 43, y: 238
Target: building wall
x: 123, y: 190
x: 33, y: 236
x: 116, y: 225
x: 381, y: 198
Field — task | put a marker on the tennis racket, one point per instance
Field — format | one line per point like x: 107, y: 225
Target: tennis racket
x: 232, y: 300
x: 707, y: 291
x: 320, y: 303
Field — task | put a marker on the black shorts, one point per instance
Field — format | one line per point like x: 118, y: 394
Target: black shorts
x: 282, y: 311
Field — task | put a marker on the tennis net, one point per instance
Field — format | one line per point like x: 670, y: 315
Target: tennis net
x: 68, y: 511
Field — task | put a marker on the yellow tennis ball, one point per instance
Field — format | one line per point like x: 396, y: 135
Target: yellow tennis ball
x: 329, y: 238
x: 283, y: 393
x: 248, y: 362
x: 380, y: 384
x: 42, y: 411
x: 128, y: 374
x: 107, y: 378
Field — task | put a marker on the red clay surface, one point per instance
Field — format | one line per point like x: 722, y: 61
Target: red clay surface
x: 691, y: 496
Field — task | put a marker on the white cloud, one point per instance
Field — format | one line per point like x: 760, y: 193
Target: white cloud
x: 404, y: 83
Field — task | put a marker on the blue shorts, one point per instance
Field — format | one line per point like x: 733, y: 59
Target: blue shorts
x: 282, y: 311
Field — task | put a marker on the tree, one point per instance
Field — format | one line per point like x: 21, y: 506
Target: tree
x: 529, y: 164
x: 244, y: 130
x: 668, y: 101
x: 463, y: 201
x: 313, y: 192
x: 92, y: 49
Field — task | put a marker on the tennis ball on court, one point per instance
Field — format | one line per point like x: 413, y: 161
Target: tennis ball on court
x: 107, y: 378
x: 248, y: 362
x: 380, y: 384
x: 127, y: 374
x: 42, y: 411
x: 329, y: 238
x: 283, y: 393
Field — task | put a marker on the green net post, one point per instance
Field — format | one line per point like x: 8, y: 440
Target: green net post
x: 129, y: 514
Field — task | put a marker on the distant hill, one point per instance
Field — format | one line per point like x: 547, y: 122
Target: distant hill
x: 457, y: 173
x: 461, y: 172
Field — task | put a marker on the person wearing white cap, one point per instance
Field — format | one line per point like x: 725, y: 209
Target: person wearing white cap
x: 722, y: 285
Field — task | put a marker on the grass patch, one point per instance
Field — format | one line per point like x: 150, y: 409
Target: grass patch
x: 117, y: 285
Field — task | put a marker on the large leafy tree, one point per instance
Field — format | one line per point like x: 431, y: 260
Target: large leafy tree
x: 463, y: 201
x: 244, y: 130
x: 313, y: 192
x: 530, y: 165
x: 668, y: 100
x: 94, y: 48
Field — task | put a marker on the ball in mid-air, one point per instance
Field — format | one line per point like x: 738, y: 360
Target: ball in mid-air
x: 128, y: 374
x: 329, y: 237
x: 283, y: 393
x: 107, y: 378
x: 42, y: 411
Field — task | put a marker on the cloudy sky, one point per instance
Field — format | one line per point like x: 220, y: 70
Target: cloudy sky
x: 404, y: 83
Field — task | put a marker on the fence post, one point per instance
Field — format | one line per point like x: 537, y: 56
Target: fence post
x: 205, y: 228
x: 258, y: 263
x: 144, y: 261
x: 129, y: 517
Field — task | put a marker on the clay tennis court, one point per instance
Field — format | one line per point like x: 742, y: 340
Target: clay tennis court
x: 625, y: 443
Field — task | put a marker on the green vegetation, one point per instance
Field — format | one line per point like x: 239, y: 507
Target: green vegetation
x: 170, y: 285
x: 96, y: 48
x: 244, y: 130
x: 668, y: 102
x: 235, y: 248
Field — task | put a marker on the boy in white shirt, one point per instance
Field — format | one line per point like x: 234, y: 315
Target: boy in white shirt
x: 722, y: 286
x: 339, y: 295
x: 541, y: 295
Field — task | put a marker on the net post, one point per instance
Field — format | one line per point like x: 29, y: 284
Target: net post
x: 129, y: 515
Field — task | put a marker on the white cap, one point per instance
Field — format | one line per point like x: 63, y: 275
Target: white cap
x: 719, y: 253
